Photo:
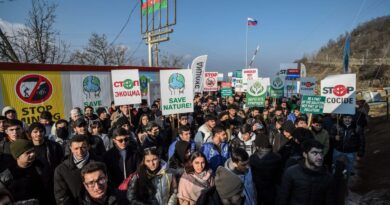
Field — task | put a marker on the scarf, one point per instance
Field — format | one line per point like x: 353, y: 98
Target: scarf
x: 80, y: 163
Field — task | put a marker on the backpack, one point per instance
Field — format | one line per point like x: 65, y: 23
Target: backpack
x: 125, y: 184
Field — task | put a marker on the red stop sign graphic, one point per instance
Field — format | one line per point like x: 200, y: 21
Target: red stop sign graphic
x: 34, y: 89
x: 340, y: 90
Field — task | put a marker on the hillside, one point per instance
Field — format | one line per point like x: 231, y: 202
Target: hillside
x: 369, y: 56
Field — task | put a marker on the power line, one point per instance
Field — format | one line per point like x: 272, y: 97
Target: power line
x: 127, y: 22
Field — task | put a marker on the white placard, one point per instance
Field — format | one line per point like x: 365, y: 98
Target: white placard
x: 198, y: 67
x: 340, y: 93
x: 176, y: 91
x: 210, y: 81
x: 248, y: 75
x: 307, y: 86
x: 126, y: 87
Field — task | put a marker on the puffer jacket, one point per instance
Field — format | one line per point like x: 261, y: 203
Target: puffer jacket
x: 202, y: 136
x: 350, y: 139
x: 249, y: 146
x: 214, y: 155
x: 165, y: 185
x: 302, y: 186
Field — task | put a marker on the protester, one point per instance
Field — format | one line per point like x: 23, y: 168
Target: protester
x: 48, y: 153
x: 204, y: 132
x: 320, y: 134
x: 104, y: 119
x: 197, y: 177
x: 80, y: 127
x: 244, y: 140
x: 266, y: 167
x: 121, y: 160
x: 96, y: 189
x: 13, y: 131
x: 67, y: 179
x: 2, y: 128
x: 46, y: 119
x: 152, y: 184
x: 217, y: 151
x: 184, y: 135
x: 179, y: 158
x: 154, y: 139
x: 89, y: 114
x: 24, y: 179
x: 298, y: 180
x: 238, y: 163
x: 97, y: 130
x: 10, y: 113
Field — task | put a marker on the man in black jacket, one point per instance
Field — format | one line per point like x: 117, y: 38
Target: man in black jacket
x: 307, y: 183
x: 67, y: 178
x: 266, y: 170
x: 96, y: 189
x: 121, y: 160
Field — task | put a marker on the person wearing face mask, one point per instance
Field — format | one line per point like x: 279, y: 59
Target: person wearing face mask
x: 152, y: 183
x: 238, y: 163
x: 61, y: 135
x: 47, y: 153
x: 347, y: 142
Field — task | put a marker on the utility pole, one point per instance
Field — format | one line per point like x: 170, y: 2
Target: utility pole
x: 156, y: 22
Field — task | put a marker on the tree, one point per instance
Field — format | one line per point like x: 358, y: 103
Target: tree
x: 100, y: 52
x: 38, y: 41
x: 171, y: 61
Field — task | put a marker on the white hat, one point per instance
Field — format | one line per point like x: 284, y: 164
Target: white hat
x: 6, y: 109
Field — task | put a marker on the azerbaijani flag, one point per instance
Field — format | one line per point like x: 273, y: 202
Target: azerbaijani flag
x: 153, y: 5
x: 252, y: 22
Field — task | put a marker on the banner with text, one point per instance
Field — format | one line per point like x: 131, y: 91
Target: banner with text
x: 210, y: 81
x: 178, y: 91
x: 290, y: 88
x: 89, y: 89
x: 307, y: 86
x: 312, y: 104
x: 248, y: 75
x: 126, y: 87
x: 256, y: 93
x: 198, y: 67
x: 226, y: 89
x: 340, y: 93
x: 32, y: 92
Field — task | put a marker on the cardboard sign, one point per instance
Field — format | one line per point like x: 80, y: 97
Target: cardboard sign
x: 284, y: 67
x: 312, y: 104
x: 176, y: 91
x: 210, y: 81
x: 307, y: 86
x: 277, y: 87
x: 290, y: 88
x: 239, y: 87
x: 293, y: 73
x: 248, y: 75
x: 220, y: 77
x: 89, y: 89
x: 126, y: 87
x: 226, y: 89
x: 256, y: 93
x: 340, y: 93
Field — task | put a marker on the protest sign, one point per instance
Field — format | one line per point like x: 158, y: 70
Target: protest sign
x: 210, y: 81
x: 312, y: 104
x: 239, y: 87
x: 277, y: 87
x: 340, y: 93
x: 248, y: 75
x: 177, y: 91
x: 307, y: 86
x: 226, y: 89
x: 256, y: 93
x: 126, y: 87
x: 88, y: 89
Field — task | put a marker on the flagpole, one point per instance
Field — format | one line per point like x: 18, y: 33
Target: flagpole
x: 246, y: 45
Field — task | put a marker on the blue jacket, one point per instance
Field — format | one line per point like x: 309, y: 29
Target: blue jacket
x: 172, y: 148
x: 214, y: 156
x: 291, y: 117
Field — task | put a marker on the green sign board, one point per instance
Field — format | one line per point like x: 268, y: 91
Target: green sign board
x: 226, y: 89
x: 256, y: 93
x: 312, y: 104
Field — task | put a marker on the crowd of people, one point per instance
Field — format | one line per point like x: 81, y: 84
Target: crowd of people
x: 222, y: 153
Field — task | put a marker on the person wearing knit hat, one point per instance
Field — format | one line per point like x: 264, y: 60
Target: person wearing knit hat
x: 9, y: 112
x: 24, y: 179
x: 19, y: 147
x: 229, y: 186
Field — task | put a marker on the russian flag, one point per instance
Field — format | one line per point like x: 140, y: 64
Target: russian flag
x: 252, y: 22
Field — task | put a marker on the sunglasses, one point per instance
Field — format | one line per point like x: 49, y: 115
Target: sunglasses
x: 123, y: 140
